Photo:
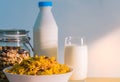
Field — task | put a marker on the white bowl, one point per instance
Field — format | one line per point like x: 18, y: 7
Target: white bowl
x: 40, y: 78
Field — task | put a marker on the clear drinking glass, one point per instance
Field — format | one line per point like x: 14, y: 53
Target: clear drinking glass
x: 76, y: 56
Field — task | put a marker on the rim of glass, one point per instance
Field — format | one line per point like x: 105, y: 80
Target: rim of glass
x: 77, y: 39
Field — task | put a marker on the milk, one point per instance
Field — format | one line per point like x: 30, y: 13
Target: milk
x: 76, y: 57
x: 46, y: 43
x: 45, y: 31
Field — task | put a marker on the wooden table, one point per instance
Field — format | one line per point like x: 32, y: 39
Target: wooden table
x: 94, y: 80
x: 100, y: 80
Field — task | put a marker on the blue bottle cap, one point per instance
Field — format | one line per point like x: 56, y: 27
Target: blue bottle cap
x: 45, y: 3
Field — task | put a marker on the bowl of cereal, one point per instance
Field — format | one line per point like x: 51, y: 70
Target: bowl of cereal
x: 38, y: 69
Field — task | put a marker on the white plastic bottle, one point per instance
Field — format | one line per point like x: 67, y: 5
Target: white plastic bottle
x: 45, y: 32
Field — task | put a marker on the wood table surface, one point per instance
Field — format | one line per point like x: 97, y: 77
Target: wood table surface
x: 99, y: 80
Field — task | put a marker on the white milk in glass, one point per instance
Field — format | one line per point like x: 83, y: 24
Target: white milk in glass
x: 76, y: 56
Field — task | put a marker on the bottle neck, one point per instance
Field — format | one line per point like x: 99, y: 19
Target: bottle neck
x: 45, y: 8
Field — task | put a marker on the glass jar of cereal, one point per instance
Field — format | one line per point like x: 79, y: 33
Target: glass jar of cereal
x: 13, y: 48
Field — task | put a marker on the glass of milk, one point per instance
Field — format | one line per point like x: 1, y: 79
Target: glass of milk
x: 76, y: 56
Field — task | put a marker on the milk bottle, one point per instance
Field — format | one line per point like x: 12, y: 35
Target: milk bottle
x: 45, y: 32
x: 76, y: 57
